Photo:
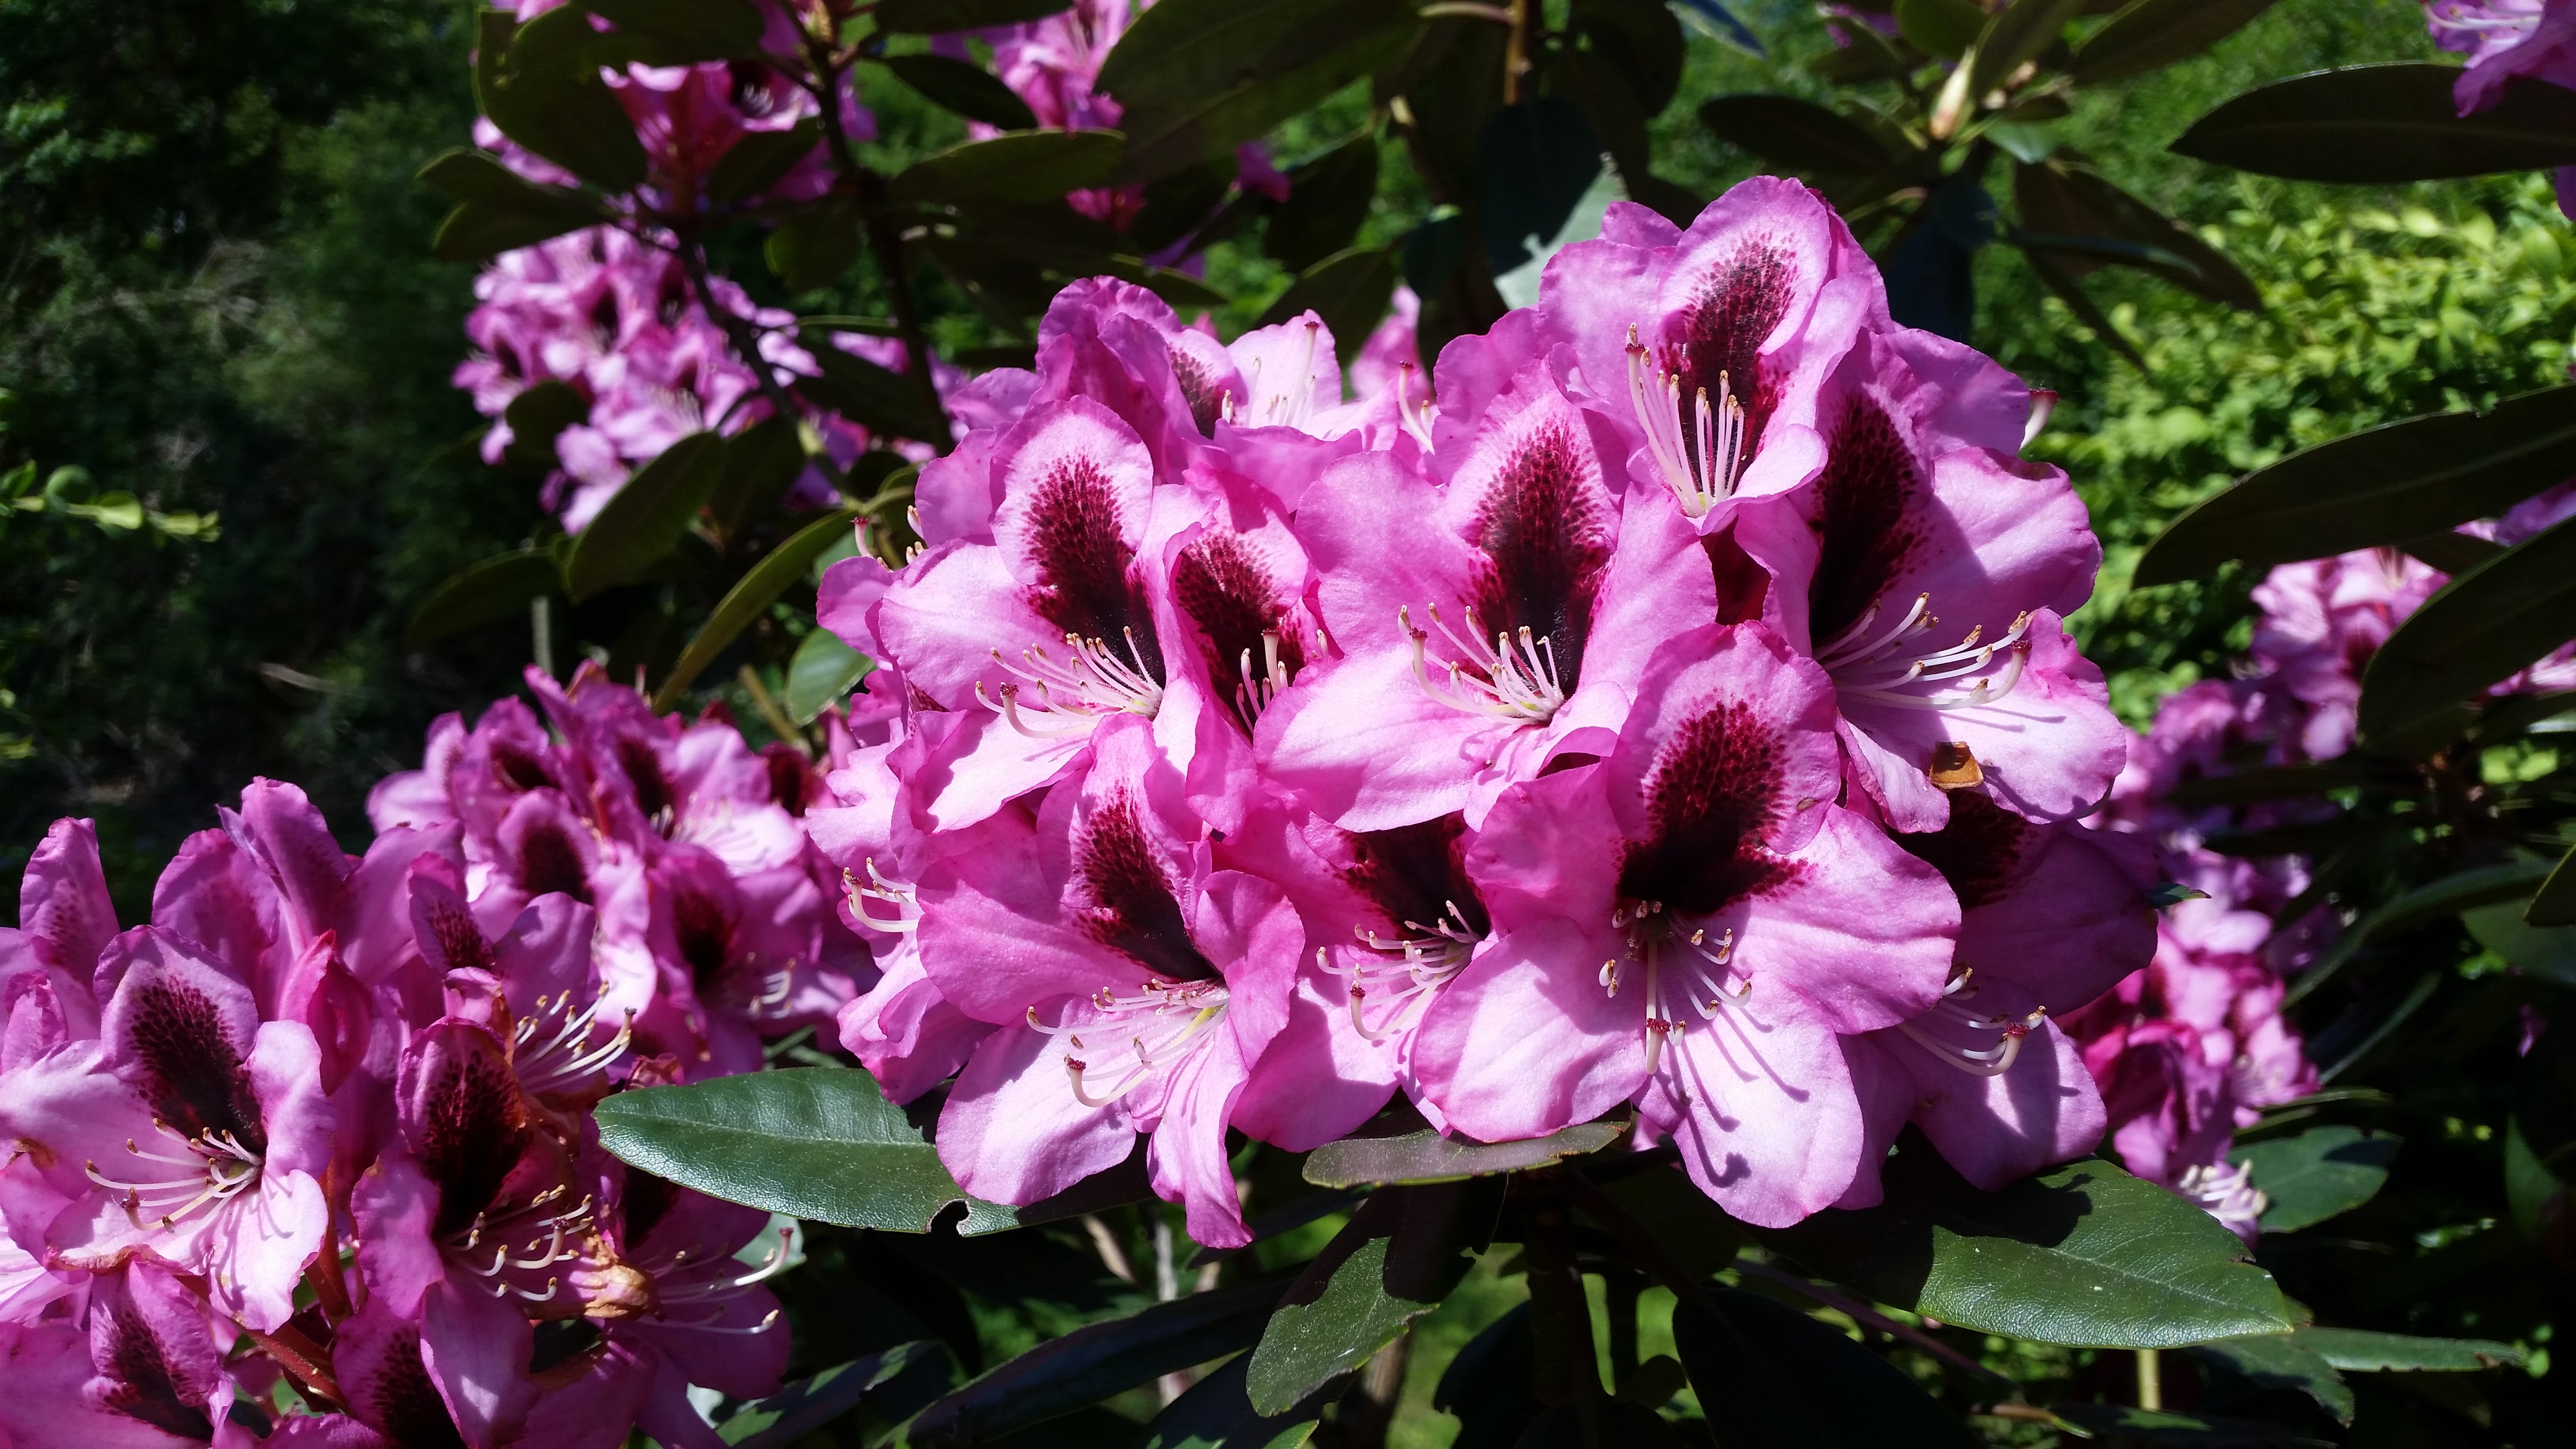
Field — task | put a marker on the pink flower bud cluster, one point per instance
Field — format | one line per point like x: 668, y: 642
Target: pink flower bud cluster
x: 310, y: 1155
x: 2506, y: 41
x: 1661, y: 713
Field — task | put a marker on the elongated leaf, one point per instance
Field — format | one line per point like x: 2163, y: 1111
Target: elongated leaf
x: 1431, y: 1157
x: 938, y: 17
x: 1349, y: 290
x: 498, y: 588
x: 2356, y: 1351
x: 811, y: 1142
x: 2508, y: 612
x: 2422, y: 906
x: 2556, y: 903
x: 758, y: 160
x: 1200, y: 77
x: 2384, y: 123
x: 750, y: 595
x: 1862, y: 55
x: 2378, y: 486
x: 823, y: 670
x: 1492, y: 1385
x: 883, y: 400
x: 965, y: 88
x: 2057, y: 196
x: 1942, y: 29
x: 1400, y: 1255
x: 1217, y: 1413
x: 2019, y: 32
x: 1797, y: 134
x: 1609, y: 102
x: 1098, y: 1360
x: 2277, y: 1361
x: 1711, y: 18
x: 2152, y: 34
x: 2084, y: 1255
x: 1328, y: 198
x: 539, y: 83
x: 474, y: 230
x: 2451, y: 552
x: 478, y: 176
x: 646, y: 517
x: 1537, y: 158
x: 2548, y: 952
x: 2316, y: 1174
x: 809, y: 1404
x: 760, y: 463
x: 1021, y: 166
x: 1790, y: 1382
x: 688, y: 31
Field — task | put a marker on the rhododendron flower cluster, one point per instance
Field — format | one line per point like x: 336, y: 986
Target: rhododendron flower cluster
x: 2506, y: 41
x: 1660, y: 713
x: 338, y: 1109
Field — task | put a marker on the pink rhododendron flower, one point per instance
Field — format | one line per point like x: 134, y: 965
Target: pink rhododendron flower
x: 2506, y: 41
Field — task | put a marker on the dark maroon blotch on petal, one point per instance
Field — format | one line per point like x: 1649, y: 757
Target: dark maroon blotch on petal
x: 791, y: 776
x: 135, y: 1377
x: 1711, y: 799
x: 703, y: 933
x: 472, y: 1126
x: 1865, y: 523
x: 643, y: 770
x: 1721, y: 333
x: 1979, y: 852
x: 1133, y: 910
x: 192, y: 1067
x: 1414, y: 873
x: 1742, y: 584
x: 1545, y: 544
x: 1221, y: 585
x: 1082, y: 561
x: 517, y: 769
x: 1200, y: 391
x: 549, y: 861
x: 452, y: 932
x: 406, y: 1405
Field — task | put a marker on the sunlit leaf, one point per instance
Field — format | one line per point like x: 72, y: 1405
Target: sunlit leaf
x: 1431, y: 1157
x: 2316, y: 1174
x: 1400, y: 1255
x: 646, y: 516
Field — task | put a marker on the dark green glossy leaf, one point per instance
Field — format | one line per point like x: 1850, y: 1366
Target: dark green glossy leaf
x: 938, y: 17
x: 760, y: 463
x: 2275, y: 782
x: 2070, y: 200
x: 2316, y: 1174
x: 1691, y: 1229
x: 2378, y: 486
x: 1609, y: 102
x: 2067, y: 289
x: 823, y: 671
x: 2384, y: 123
x: 2508, y: 612
x: 1200, y: 77
x: 749, y: 597
x: 2556, y: 903
x: 1492, y: 1385
x: 2533, y: 1194
x: 473, y: 231
x: 1096, y: 1361
x: 1790, y: 1382
x: 2451, y: 552
x: 1400, y: 1255
x: 498, y: 588
x: 1800, y: 135
x: 2276, y: 1361
x: 1641, y: 42
x: 2425, y: 904
x: 2127, y: 1425
x: 816, y: 245
x: 645, y: 517
x: 1328, y: 198
x: 1942, y: 29
x: 499, y: 196
x: 965, y: 88
x: 686, y: 32
x: 886, y: 402
x: 2548, y: 952
x: 1536, y: 158
x: 2356, y: 1351
x: 1022, y: 166
x: 1217, y: 1413
x: 537, y: 416
x: 2019, y: 32
x: 2083, y: 1254
x: 2152, y: 34
x: 1863, y: 55
x: 1428, y: 1156
x: 539, y: 83
x: 811, y: 1142
x: 759, y: 160
x: 809, y: 1404
x: 1349, y: 290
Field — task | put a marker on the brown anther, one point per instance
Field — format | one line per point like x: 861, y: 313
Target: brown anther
x: 1954, y: 767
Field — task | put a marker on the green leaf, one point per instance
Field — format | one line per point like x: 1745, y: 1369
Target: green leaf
x: 539, y: 83
x: 2556, y: 903
x: 1401, y: 1254
x: 823, y: 671
x: 1201, y: 77
x: 881, y: 399
x: 2058, y: 197
x: 1349, y: 290
x: 1217, y: 1413
x: 2152, y: 34
x: 485, y: 593
x: 1022, y: 166
x: 2529, y: 1185
x: 2316, y: 1174
x: 2020, y: 32
x: 1642, y: 43
x: 2277, y: 1361
x: 816, y: 245
x: 749, y: 597
x: 2452, y: 553
x: 809, y: 1404
x: 1096, y: 1361
x: 1863, y: 55
x: 2548, y: 952
x: 687, y: 32
x: 759, y: 160
x: 810, y: 1142
x: 2384, y: 123
x: 760, y: 463
x: 1942, y: 29
x: 2378, y: 486
x: 646, y: 517
x: 2083, y: 1254
x: 2356, y: 1351
x: 1611, y: 109
x: 2421, y: 906
x: 965, y: 88
x: 939, y: 17
x: 498, y: 210
x: 1328, y: 198
x: 473, y: 231
x: 1428, y: 1156
x: 1790, y: 1382
x: 2508, y: 612
x: 1691, y: 1229
x: 1800, y: 135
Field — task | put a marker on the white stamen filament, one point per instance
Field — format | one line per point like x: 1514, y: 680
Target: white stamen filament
x: 1257, y: 690
x: 1176, y: 1017
x: 1952, y: 1012
x: 563, y: 1059
x: 1885, y: 668
x: 1293, y: 408
x: 880, y: 889
x: 216, y: 1169
x: 2225, y: 1191
x: 1407, y: 971
x: 1703, y: 984
x: 1699, y: 481
x: 1417, y: 421
x: 1075, y: 692
x: 1513, y: 680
